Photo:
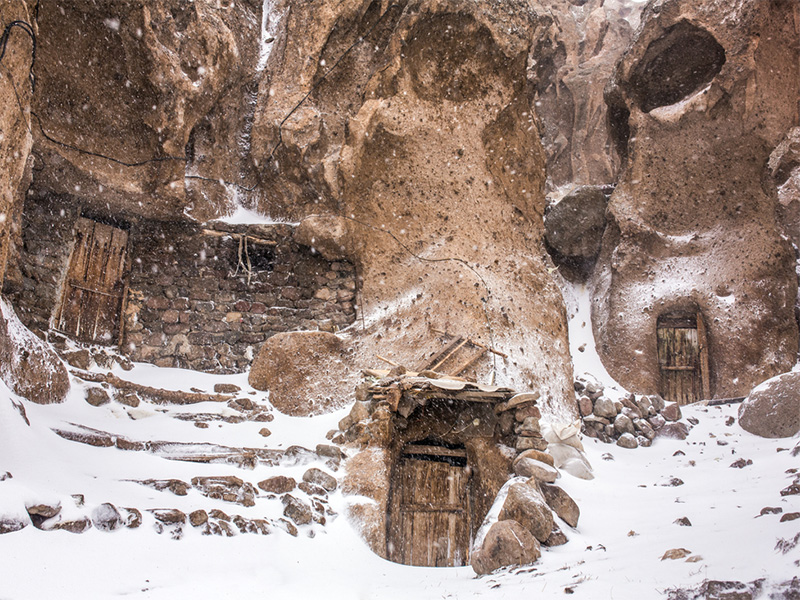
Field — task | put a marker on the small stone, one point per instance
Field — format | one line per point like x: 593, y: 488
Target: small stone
x: 694, y: 558
x: 226, y: 388
x: 297, y: 510
x: 264, y: 432
x: 676, y: 431
x: 741, y: 463
x: 770, y: 510
x: 557, y: 538
x: 127, y: 398
x: 671, y: 411
x: 672, y: 482
x: 585, y: 406
x: 320, y: 478
x: 169, y: 516
x: 278, y: 484
x: 198, y: 517
x: 329, y: 451
x: 623, y: 424
x: 201, y: 425
x: 683, y: 522
x: 730, y: 421
x: 605, y: 408
x: 11, y: 524
x: 97, y: 396
x: 132, y: 517
x: 657, y: 422
x: 790, y: 517
x: 626, y: 440
x: 73, y: 525
x: 792, y: 490
x: 676, y: 553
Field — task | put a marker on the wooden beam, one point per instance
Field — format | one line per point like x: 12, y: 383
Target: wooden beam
x: 434, y: 451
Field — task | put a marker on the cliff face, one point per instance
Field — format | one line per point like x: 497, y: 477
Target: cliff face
x: 15, y: 135
x: 700, y: 100
x: 418, y: 139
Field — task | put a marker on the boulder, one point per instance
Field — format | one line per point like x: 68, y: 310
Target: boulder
x: 526, y: 505
x: 97, y: 396
x: 28, y: 365
x: 626, y: 440
x: 772, y: 410
x: 623, y: 424
x: 561, y: 503
x: 538, y: 470
x: 507, y: 543
x: 320, y: 478
x: 306, y: 372
x: 106, y: 517
x: 12, y: 523
x: 675, y: 431
x: 574, y: 227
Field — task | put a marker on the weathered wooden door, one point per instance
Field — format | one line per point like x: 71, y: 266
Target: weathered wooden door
x: 91, y: 302
x: 429, y: 524
x: 683, y: 358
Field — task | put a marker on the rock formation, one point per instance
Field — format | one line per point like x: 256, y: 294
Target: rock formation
x: 697, y: 105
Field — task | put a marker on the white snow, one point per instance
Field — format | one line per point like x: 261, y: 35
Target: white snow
x: 626, y: 525
x: 247, y: 216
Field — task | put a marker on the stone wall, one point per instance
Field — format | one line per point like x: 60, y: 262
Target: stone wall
x: 187, y: 304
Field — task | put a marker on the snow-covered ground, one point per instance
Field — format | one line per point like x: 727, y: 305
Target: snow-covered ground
x: 627, y: 523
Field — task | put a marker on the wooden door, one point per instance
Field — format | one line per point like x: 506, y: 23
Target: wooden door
x: 91, y: 302
x: 430, y: 521
x: 682, y: 358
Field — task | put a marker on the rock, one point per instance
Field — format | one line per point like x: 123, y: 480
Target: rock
x: 78, y: 525
x: 278, y: 484
x: 657, y: 422
x: 226, y: 388
x: 507, y: 543
x: 557, y: 538
x: 671, y: 411
x: 28, y: 366
x: 770, y: 510
x: 623, y: 424
x: 10, y: 524
x: 304, y: 371
x: 684, y: 78
x: 645, y: 405
x: 320, y: 478
x: 605, y: 408
x: 675, y: 431
x: 561, y: 503
x: 329, y: 235
x: 657, y: 401
x: 530, y: 443
x: 772, y: 410
x: 176, y: 486
x: 264, y: 432
x: 227, y: 488
x: 128, y: 398
x: 312, y: 489
x: 741, y: 463
x: 790, y: 517
x: 683, y: 522
x: 97, y: 396
x: 297, y: 510
x: 792, y: 490
x: 169, y: 516
x: 626, y: 440
x: 585, y: 406
x: 106, y: 517
x: 526, y: 505
x: 673, y: 482
x: 132, y: 517
x: 538, y: 455
x: 530, y: 467
x: 676, y: 554
x: 574, y: 227
x: 198, y: 517
x: 329, y: 451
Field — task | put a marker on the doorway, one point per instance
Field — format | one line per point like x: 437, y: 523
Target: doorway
x: 683, y: 357
x: 94, y: 288
x: 429, y: 521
